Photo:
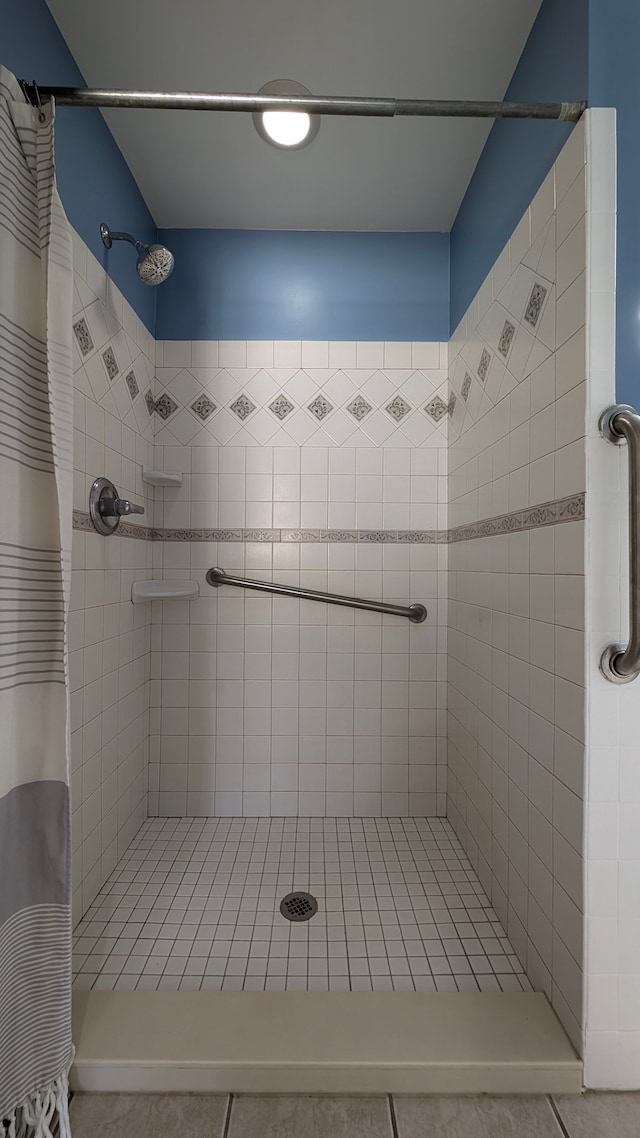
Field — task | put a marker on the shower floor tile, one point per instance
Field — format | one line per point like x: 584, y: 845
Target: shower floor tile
x: 195, y: 903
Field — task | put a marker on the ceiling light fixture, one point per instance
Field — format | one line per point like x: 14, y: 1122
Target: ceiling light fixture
x: 286, y: 130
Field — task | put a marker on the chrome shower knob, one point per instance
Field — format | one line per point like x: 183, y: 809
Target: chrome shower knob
x: 107, y: 508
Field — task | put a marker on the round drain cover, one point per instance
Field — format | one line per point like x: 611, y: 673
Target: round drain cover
x: 298, y: 906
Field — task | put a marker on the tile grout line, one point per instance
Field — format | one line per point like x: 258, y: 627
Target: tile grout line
x: 392, y: 1115
x: 227, y: 1121
x: 558, y: 1117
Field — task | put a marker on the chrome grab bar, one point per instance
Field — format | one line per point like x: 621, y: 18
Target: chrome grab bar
x: 415, y: 613
x: 619, y: 424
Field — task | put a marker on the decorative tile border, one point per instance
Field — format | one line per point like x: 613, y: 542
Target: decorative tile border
x: 82, y: 521
x: 546, y: 514
x: 534, y: 517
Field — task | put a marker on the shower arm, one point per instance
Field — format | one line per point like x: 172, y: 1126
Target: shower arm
x: 109, y: 236
x: 312, y: 104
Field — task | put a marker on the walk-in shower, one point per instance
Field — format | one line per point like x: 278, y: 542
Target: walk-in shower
x: 351, y: 760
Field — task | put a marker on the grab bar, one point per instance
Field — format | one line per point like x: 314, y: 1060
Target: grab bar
x: 619, y: 424
x: 415, y: 613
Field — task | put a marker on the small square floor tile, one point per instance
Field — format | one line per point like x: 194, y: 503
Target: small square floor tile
x: 196, y: 899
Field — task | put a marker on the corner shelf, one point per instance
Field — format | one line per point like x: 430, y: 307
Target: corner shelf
x: 164, y: 591
x: 161, y: 477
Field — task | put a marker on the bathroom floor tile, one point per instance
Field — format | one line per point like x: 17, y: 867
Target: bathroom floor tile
x: 475, y: 1117
x: 195, y: 903
x: 146, y: 1116
x: 289, y: 1116
x: 595, y: 1115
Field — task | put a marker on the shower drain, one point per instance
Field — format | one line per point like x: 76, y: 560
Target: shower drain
x: 298, y: 906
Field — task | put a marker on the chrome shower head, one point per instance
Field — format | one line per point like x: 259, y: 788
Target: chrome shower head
x: 155, y: 262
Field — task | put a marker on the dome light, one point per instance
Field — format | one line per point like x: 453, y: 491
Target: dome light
x: 287, y: 130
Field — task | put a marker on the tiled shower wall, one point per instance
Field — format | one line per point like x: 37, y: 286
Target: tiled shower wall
x: 109, y: 637
x: 313, y: 464
x: 516, y: 601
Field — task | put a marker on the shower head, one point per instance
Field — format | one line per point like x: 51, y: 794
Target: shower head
x: 155, y: 262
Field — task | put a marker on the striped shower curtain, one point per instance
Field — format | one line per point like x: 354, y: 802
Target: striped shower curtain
x: 36, y: 471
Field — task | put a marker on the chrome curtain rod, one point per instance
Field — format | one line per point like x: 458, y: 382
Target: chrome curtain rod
x: 313, y: 104
x: 415, y: 613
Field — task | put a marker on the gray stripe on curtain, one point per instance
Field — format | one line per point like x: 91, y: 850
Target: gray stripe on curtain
x: 35, y: 981
x: 33, y: 823
x: 35, y: 938
x: 31, y: 620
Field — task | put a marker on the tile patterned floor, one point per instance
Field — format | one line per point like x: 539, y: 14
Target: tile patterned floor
x: 194, y: 903
x: 329, y: 1116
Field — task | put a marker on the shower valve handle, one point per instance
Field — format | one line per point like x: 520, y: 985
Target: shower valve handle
x: 118, y: 507
x: 106, y: 507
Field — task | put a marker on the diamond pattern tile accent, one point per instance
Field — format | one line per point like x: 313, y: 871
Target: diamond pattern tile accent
x: 506, y: 338
x: 203, y: 407
x: 110, y: 362
x: 150, y: 401
x: 437, y: 408
x: 83, y: 336
x: 165, y: 406
x: 466, y: 386
x: 483, y: 366
x: 359, y: 408
x: 242, y: 407
x: 132, y: 384
x: 452, y: 404
x: 281, y: 407
x: 320, y: 407
x: 397, y: 408
x: 534, y: 304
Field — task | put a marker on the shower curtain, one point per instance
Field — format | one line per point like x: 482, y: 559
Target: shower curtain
x: 36, y: 472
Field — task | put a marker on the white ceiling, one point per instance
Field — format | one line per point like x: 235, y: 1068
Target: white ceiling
x: 212, y: 170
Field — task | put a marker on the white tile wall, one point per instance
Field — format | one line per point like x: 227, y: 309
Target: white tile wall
x: 270, y: 706
x: 109, y: 638
x: 516, y: 602
x: 612, y: 869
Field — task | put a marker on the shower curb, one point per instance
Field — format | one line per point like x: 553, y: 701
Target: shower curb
x: 321, y: 1042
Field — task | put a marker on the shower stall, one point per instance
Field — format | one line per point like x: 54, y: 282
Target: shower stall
x: 329, y: 714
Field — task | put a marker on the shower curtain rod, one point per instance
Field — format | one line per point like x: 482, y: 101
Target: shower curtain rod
x: 313, y: 104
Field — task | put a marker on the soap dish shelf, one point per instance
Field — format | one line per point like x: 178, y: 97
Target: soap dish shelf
x: 142, y: 591
x: 161, y: 477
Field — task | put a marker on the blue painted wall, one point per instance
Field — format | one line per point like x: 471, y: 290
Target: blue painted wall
x: 93, y: 178
x: 614, y: 81
x: 265, y: 285
x: 519, y: 154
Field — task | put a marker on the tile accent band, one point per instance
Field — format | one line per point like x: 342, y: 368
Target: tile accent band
x: 533, y: 517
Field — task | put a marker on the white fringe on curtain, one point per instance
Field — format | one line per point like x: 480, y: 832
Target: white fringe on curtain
x: 45, y: 1114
